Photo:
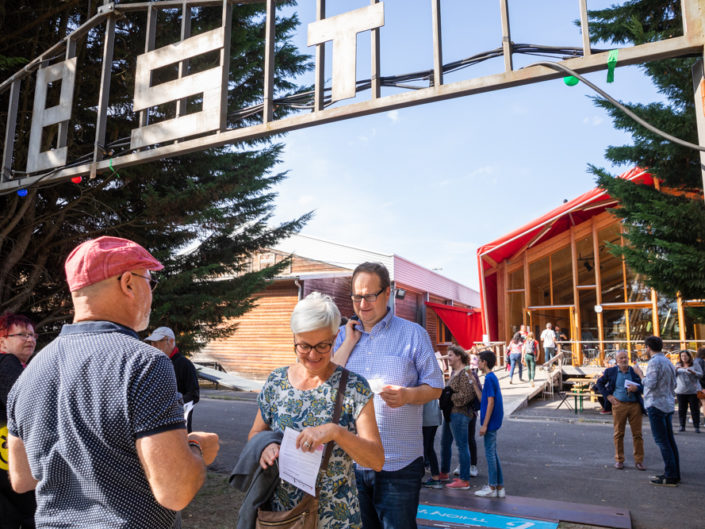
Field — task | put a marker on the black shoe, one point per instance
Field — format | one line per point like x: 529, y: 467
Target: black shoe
x: 681, y: 429
x: 664, y: 481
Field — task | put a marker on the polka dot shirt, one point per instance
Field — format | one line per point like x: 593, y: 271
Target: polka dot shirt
x: 79, y: 408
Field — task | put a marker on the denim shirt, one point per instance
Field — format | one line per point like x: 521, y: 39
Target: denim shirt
x: 660, y: 384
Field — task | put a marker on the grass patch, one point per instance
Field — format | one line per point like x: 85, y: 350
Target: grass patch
x: 215, y: 506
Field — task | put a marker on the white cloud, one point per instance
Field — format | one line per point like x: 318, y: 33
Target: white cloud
x: 593, y: 120
x: 393, y: 115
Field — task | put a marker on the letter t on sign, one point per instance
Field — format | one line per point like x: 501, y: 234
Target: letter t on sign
x: 342, y: 30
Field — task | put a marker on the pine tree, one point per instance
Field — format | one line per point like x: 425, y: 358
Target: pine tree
x: 665, y: 229
x: 201, y: 214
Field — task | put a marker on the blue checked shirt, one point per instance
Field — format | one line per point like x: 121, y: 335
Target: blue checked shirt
x: 400, y: 353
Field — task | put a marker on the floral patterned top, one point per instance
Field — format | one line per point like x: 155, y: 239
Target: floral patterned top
x: 282, y: 405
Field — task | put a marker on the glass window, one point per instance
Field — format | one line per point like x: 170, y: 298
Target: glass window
x: 610, y: 266
x: 516, y: 311
x: 668, y: 319
x: 516, y: 279
x: 586, y: 261
x: 636, y: 289
x: 540, y: 282
x: 640, y: 324
x: 562, y: 272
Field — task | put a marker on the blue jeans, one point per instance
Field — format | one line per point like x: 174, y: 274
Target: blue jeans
x: 550, y: 353
x: 494, y: 469
x: 662, y: 430
x: 390, y: 499
x: 458, y: 430
x: 514, y: 359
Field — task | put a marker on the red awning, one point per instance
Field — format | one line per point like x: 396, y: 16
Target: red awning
x: 465, y: 324
x: 554, y: 222
x: 543, y: 228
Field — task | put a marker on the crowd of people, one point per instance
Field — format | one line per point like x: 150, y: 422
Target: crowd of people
x: 98, y: 430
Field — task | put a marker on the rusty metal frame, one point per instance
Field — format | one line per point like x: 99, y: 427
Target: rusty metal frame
x: 692, y: 42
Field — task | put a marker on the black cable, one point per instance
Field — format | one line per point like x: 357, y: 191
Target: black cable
x: 560, y: 68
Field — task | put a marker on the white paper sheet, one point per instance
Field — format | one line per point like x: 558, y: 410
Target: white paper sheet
x: 188, y: 406
x: 296, y: 466
x: 628, y: 383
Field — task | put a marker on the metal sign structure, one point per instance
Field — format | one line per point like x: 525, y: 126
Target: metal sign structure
x: 189, y: 132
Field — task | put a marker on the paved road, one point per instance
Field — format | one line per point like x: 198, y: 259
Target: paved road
x: 542, y: 458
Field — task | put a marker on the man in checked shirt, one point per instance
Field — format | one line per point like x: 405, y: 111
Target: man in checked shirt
x: 396, y: 357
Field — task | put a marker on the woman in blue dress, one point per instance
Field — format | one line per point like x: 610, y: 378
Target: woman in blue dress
x: 302, y: 397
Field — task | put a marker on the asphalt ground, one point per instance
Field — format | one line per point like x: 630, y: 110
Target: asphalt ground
x: 545, y: 452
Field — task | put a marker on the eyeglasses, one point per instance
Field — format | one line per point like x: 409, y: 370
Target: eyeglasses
x: 24, y: 335
x: 153, y: 281
x: 321, y: 348
x: 370, y: 298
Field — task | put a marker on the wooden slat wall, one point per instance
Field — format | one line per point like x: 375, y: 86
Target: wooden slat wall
x: 263, y: 340
x: 336, y: 287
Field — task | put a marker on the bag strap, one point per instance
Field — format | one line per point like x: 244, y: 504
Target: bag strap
x: 342, y: 384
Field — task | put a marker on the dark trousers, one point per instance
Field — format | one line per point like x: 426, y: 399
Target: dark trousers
x: 685, y: 399
x: 662, y: 430
x: 16, y: 510
x: 429, y: 453
x: 390, y: 499
x: 471, y: 440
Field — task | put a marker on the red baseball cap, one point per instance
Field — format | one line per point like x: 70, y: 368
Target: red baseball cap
x: 98, y: 259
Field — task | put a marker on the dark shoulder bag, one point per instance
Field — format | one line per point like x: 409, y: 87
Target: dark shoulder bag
x: 305, y: 514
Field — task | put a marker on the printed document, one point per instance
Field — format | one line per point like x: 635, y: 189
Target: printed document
x: 296, y: 466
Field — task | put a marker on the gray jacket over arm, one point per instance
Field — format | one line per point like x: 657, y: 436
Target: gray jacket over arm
x: 249, y: 475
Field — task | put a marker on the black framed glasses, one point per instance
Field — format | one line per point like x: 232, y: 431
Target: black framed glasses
x: 153, y: 281
x: 370, y: 298
x: 24, y: 335
x: 321, y: 348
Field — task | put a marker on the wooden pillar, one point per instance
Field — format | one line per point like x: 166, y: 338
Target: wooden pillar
x: 654, y: 313
x: 527, y: 289
x: 598, y: 291
x: 577, y: 349
x: 681, y: 320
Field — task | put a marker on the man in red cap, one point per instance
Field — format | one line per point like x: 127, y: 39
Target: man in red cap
x: 95, y: 421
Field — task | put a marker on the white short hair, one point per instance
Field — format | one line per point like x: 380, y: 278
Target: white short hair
x: 315, y: 311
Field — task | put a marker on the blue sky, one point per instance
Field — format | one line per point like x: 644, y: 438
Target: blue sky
x: 433, y: 182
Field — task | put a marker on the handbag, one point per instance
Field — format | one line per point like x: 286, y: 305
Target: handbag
x: 445, y: 402
x: 305, y: 514
x: 475, y: 404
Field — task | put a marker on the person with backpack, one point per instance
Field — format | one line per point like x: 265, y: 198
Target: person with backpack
x: 528, y: 355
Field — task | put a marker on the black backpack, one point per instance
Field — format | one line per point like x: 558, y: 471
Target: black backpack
x: 445, y: 402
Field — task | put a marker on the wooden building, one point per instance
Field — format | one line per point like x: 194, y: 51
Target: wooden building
x: 558, y: 269
x: 263, y: 340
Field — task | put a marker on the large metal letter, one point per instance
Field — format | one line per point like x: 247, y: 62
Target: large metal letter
x: 208, y: 82
x: 342, y: 30
x: 43, y: 117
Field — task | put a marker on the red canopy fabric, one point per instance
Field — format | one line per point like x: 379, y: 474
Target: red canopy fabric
x: 465, y: 324
x: 541, y: 229
x: 556, y: 221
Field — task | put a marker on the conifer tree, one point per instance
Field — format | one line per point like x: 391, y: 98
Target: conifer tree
x: 665, y: 229
x: 201, y: 214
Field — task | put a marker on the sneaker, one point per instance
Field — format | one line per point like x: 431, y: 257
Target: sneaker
x: 473, y: 471
x: 640, y: 466
x: 605, y: 412
x: 443, y: 477
x: 663, y: 476
x: 501, y: 493
x: 619, y: 465
x: 458, y: 484
x: 681, y: 429
x: 433, y: 484
x: 487, y: 492
x: 456, y: 472
x: 532, y: 383
x: 664, y: 481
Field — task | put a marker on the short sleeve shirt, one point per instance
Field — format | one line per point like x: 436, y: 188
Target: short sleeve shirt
x: 284, y: 406
x: 491, y: 389
x: 398, y: 352
x: 79, y: 408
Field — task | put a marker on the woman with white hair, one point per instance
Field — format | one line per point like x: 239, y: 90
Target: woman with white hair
x: 302, y: 396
